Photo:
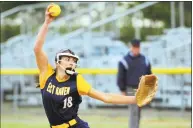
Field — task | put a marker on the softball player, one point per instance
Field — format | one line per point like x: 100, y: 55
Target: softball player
x: 62, y: 88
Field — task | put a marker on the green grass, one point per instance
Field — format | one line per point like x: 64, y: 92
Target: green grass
x: 96, y: 122
x: 35, y: 118
x: 20, y: 121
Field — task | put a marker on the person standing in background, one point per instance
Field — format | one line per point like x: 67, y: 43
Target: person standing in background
x: 130, y: 68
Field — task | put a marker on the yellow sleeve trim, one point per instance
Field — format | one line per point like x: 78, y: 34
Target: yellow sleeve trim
x: 43, y: 77
x: 82, y: 85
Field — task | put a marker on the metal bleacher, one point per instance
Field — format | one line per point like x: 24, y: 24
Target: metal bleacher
x: 96, y: 50
x: 172, y: 49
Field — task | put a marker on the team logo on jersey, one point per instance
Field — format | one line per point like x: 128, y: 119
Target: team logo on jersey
x: 57, y: 90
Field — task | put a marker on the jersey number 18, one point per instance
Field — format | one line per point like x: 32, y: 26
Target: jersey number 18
x: 68, y: 102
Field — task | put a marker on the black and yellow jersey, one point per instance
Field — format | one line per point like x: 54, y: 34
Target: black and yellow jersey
x: 61, y: 99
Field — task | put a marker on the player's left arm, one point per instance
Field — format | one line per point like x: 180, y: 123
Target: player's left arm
x: 111, y: 98
x: 84, y: 88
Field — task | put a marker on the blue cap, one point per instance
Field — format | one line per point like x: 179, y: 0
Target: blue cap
x: 135, y: 43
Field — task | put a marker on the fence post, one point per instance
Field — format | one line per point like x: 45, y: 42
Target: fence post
x: 2, y: 98
x: 173, y: 15
x: 182, y: 94
x: 15, y: 98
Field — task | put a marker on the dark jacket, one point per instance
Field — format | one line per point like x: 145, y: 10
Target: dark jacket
x: 130, y: 69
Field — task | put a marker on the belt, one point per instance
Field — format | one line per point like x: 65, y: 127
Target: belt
x: 66, y: 125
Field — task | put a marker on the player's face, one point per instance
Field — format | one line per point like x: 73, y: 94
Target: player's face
x: 135, y: 50
x: 68, y: 62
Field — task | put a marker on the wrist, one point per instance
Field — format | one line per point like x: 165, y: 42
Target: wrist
x: 46, y: 23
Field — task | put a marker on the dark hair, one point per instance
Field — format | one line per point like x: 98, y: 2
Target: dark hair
x: 135, y: 42
x: 64, y: 51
